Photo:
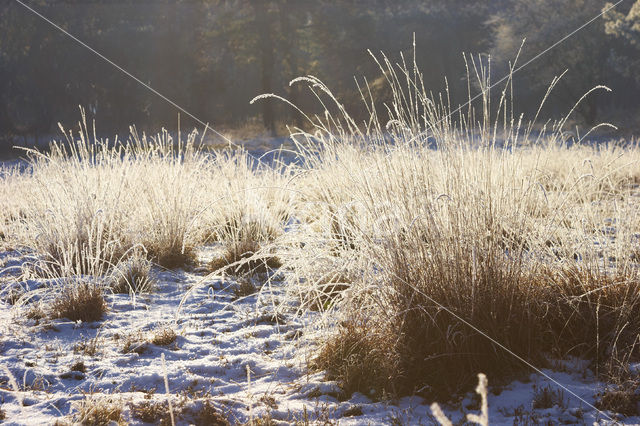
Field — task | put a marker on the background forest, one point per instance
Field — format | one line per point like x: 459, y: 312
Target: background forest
x: 212, y: 57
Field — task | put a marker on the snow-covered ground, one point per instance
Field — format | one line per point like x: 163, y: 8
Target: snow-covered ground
x: 57, y: 364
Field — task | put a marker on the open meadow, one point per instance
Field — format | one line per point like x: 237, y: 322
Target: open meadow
x: 380, y: 268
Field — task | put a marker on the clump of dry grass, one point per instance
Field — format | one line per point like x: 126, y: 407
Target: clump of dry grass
x: 240, y: 227
x: 244, y: 258
x: 244, y: 287
x: 35, y: 312
x: 93, y: 411
x: 208, y: 415
x: 132, y: 275
x: 547, y: 397
x: 173, y: 255
x: 164, y: 336
x: 88, y: 346
x: 83, y: 301
x: 152, y: 412
x: 79, y: 367
x: 256, y: 206
x: 593, y: 314
x: 326, y: 292
x: 135, y: 342
x: 617, y: 399
x: 11, y: 293
x: 358, y: 357
x: 499, y: 238
x: 87, y: 201
x: 622, y: 392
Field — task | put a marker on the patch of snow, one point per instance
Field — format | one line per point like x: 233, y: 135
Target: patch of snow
x: 218, y: 336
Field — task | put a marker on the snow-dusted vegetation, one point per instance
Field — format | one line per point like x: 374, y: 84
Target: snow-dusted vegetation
x: 381, y: 269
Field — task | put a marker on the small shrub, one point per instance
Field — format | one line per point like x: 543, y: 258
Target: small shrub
x: 79, y: 302
x: 164, y: 337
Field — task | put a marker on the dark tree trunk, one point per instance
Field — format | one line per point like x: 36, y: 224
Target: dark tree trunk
x: 265, y: 43
x: 289, y: 50
x: 590, y: 110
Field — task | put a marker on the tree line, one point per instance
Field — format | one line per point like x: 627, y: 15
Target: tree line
x: 213, y: 56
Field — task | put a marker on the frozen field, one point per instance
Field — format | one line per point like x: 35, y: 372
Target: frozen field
x: 63, y: 369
